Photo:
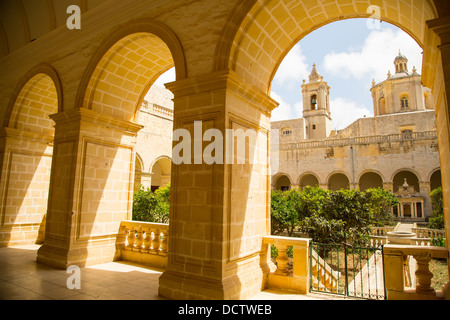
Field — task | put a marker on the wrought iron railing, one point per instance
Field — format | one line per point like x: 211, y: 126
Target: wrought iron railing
x: 359, y: 269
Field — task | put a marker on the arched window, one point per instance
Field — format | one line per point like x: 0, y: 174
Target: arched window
x: 405, y: 105
x: 314, y: 102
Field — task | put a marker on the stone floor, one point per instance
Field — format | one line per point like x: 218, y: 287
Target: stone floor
x: 21, y: 278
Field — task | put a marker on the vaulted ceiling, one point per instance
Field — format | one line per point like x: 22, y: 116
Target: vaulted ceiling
x: 23, y: 21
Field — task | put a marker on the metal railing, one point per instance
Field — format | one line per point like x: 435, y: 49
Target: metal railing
x: 360, y: 270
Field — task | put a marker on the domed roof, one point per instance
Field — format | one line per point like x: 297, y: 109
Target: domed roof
x: 400, y: 57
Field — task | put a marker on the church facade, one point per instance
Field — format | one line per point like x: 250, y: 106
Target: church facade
x: 396, y: 149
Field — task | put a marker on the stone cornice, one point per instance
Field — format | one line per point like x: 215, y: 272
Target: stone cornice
x: 91, y: 116
x: 222, y: 80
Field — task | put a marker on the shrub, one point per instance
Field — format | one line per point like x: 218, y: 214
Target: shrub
x: 151, y: 206
x: 283, y: 214
x: 331, y: 216
x: 437, y: 218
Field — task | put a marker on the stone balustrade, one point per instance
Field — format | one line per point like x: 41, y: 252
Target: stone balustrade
x: 379, y: 236
x: 282, y: 278
x: 397, y: 280
x: 329, y: 143
x: 144, y: 242
x: 323, y: 276
x: 428, y: 233
x: 381, y: 231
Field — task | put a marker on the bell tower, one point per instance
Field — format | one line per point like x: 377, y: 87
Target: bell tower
x: 316, y: 106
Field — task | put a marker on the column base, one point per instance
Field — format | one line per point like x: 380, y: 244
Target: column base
x: 62, y: 258
x: 246, y: 282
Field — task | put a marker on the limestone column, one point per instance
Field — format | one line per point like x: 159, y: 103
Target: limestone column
x: 146, y: 179
x: 425, y: 189
x: 388, y: 186
x: 91, y: 188
x: 219, y: 209
x: 441, y: 94
x: 323, y: 186
x: 25, y: 173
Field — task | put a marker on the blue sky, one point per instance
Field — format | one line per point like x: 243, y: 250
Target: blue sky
x: 348, y: 54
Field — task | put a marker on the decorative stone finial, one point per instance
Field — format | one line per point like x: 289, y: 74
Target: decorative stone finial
x: 314, y: 74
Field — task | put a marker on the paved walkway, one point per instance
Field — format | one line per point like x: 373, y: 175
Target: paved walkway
x: 21, y: 278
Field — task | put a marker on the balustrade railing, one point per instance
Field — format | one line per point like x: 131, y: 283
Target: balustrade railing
x: 428, y: 233
x: 328, y: 143
x: 397, y: 285
x: 423, y: 236
x: 144, y: 242
x: 298, y: 279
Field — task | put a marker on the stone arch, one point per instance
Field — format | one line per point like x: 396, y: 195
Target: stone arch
x: 435, y: 179
x: 281, y: 181
x: 138, y: 169
x: 161, y: 171
x: 37, y: 95
x: 412, y: 178
x: 126, y: 65
x: 308, y: 179
x: 370, y: 179
x: 109, y: 95
x: 266, y: 33
x: 27, y: 151
x: 337, y: 181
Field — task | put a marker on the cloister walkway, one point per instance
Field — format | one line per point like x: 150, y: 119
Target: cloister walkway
x: 21, y: 278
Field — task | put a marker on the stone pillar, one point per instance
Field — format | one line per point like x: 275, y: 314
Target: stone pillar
x: 441, y: 94
x: 323, y: 186
x: 25, y: 175
x: 425, y: 189
x: 219, y: 211
x: 91, y: 188
x: 388, y: 186
x: 146, y: 179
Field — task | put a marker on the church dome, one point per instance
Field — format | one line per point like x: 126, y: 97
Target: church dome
x: 400, y: 57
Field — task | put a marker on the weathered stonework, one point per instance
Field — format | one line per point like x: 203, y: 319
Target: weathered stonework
x: 371, y: 152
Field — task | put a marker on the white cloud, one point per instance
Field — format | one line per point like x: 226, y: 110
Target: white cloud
x: 285, y: 111
x: 376, y: 56
x: 292, y: 69
x: 344, y: 112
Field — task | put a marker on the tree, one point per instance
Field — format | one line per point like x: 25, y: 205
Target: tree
x: 151, y: 206
x: 381, y: 202
x: 282, y: 211
x: 345, y: 215
x: 437, y: 217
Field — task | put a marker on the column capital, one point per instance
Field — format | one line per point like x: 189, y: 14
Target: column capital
x: 223, y: 80
x: 441, y: 27
x: 90, y: 116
